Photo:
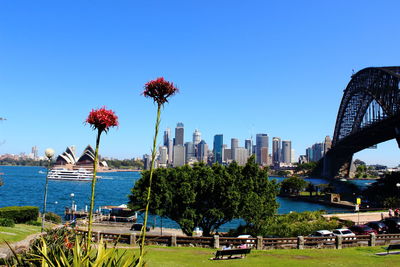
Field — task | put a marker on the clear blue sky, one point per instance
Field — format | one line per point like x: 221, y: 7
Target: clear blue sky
x: 243, y: 67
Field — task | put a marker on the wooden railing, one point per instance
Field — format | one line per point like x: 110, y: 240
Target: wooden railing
x: 216, y: 241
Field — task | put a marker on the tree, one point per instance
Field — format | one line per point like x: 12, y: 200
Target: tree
x: 292, y: 185
x: 310, y: 188
x: 207, y: 196
x: 384, y: 191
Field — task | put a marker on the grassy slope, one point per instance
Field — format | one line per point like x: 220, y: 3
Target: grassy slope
x: 17, y: 233
x: 184, y: 256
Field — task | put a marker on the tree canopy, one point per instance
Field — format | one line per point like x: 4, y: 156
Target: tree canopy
x: 209, y: 196
x: 292, y: 185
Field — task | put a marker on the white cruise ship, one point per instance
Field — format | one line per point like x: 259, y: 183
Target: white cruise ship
x: 80, y: 174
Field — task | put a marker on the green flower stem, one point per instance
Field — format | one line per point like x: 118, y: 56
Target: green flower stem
x: 153, y: 157
x: 96, y: 159
x: 45, y: 194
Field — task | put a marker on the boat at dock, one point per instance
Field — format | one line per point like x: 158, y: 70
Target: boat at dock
x: 63, y: 174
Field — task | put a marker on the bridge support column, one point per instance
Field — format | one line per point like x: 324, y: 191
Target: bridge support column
x: 397, y: 135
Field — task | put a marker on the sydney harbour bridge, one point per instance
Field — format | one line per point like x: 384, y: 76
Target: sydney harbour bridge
x: 369, y: 114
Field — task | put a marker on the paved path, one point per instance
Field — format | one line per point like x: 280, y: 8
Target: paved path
x: 17, y: 246
x: 362, y: 217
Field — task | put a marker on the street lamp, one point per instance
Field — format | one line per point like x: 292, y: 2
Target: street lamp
x: 72, y: 205
x: 49, y: 154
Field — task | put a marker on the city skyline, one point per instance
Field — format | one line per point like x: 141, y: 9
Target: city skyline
x: 260, y: 67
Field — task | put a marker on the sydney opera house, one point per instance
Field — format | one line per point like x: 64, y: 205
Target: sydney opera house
x: 69, y: 160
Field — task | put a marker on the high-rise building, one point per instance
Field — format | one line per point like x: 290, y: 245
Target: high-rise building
x: 293, y: 156
x: 196, y: 137
x: 167, y: 136
x: 241, y: 155
x: 249, y: 146
x: 234, y: 145
x: 179, y: 134
x: 163, y: 156
x: 189, y: 151
x: 317, y: 151
x: 170, y: 151
x: 264, y: 156
x: 202, y: 151
x: 287, y: 151
x: 227, y: 155
x: 179, y: 155
x: 261, y: 141
x: 327, y: 144
x: 217, y: 149
x: 35, y: 152
x: 276, y: 150
x: 146, y: 162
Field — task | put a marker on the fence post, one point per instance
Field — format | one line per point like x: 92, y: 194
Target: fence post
x: 300, y: 242
x: 259, y: 244
x: 173, y: 240
x: 132, y: 239
x: 372, y: 240
x: 216, y: 241
x: 339, y: 241
x: 98, y: 236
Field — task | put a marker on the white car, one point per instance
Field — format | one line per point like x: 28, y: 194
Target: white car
x: 344, y: 232
x: 322, y: 233
x: 248, y: 243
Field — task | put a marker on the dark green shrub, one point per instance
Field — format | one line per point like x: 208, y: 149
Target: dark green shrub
x: 20, y: 214
x: 6, y: 222
x: 52, y: 217
x: 35, y: 223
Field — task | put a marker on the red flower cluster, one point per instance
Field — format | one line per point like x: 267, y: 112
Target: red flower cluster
x: 102, y: 119
x: 159, y: 89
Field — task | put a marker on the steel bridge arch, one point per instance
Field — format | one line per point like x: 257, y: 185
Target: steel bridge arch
x: 373, y: 88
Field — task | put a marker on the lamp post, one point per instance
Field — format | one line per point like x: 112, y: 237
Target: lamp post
x: 72, y: 206
x: 49, y: 154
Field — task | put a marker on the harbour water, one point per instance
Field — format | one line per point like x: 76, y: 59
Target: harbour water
x: 23, y: 186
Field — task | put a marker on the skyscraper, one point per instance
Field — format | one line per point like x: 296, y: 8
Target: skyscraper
x: 179, y: 134
x: 327, y: 144
x: 261, y: 141
x: 217, y: 149
x: 234, y: 145
x: 276, y: 150
x: 167, y: 136
x: 179, y: 155
x: 287, y: 152
x: 196, y: 137
x: 249, y: 146
x: 189, y: 151
x: 241, y: 155
x: 170, y: 151
x: 202, y: 151
x: 163, y: 156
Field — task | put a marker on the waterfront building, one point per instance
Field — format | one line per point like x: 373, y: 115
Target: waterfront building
x: 189, y: 151
x: 248, y: 144
x: 303, y: 159
x: 179, y: 156
x: 286, y: 151
x: 217, y: 148
x: 66, y: 158
x: 241, y: 155
x: 261, y: 142
x: 276, y: 150
x: 327, y: 144
x: 179, y: 134
x: 234, y: 145
x: 202, y: 155
x: 163, y: 156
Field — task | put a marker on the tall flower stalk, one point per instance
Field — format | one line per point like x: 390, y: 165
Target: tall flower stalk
x: 159, y: 90
x: 100, y: 120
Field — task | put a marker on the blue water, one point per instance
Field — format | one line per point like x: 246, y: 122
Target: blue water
x: 23, y: 186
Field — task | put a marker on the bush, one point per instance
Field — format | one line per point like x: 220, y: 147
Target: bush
x: 20, y: 214
x: 6, y: 222
x: 52, y: 217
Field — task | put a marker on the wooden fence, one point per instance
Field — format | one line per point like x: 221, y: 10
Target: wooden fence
x: 216, y: 241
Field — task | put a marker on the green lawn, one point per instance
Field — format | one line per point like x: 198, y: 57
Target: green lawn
x: 17, y: 233
x: 185, y: 256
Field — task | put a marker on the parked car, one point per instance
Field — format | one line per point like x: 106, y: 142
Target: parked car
x: 362, y: 229
x: 248, y: 243
x: 379, y: 227
x: 138, y: 227
x: 344, y: 232
x: 393, y: 224
x: 322, y: 233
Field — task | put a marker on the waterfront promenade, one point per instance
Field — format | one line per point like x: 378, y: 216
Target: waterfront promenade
x: 362, y: 217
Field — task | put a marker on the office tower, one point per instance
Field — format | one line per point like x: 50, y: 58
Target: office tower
x: 293, y: 156
x: 217, y: 149
x: 179, y: 155
x: 163, y: 156
x: 170, y: 151
x: 227, y: 155
x: 179, y: 134
x: 189, y: 151
x: 146, y: 162
x: 202, y: 151
x: 167, y: 136
x: 224, y: 146
x: 317, y: 151
x: 261, y: 141
x: 276, y: 150
x: 309, y: 154
x: 234, y: 145
x: 264, y: 156
x: 286, y: 152
x: 241, y: 155
x: 35, y: 152
x: 327, y: 144
x: 196, y: 137
x: 248, y: 145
